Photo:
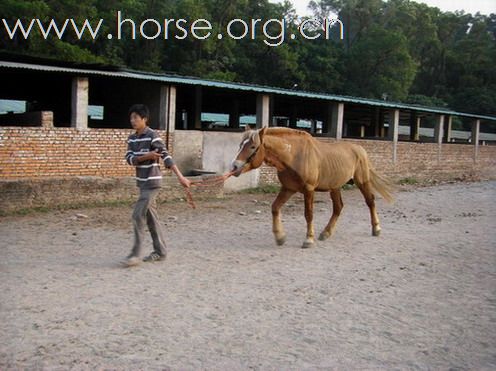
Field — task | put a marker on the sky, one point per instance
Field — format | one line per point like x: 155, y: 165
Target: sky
x: 469, y: 6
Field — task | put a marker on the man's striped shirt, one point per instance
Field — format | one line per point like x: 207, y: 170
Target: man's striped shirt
x: 148, y: 173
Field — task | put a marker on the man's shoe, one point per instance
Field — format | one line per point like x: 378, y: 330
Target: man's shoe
x: 131, y: 261
x: 154, y: 257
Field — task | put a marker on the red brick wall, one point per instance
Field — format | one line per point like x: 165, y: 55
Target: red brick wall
x: 64, y: 152
x: 44, y: 166
x: 421, y: 161
x: 43, y: 153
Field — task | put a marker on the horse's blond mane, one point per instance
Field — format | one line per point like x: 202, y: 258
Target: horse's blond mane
x: 247, y: 134
x: 278, y: 132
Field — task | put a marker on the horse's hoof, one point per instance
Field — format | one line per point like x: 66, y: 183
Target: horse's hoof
x: 376, y: 232
x: 324, y: 236
x: 307, y: 245
x: 280, y: 241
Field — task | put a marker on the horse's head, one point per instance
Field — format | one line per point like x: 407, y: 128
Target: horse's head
x: 251, y: 152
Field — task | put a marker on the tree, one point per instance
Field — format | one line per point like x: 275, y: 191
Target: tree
x: 379, y: 65
x: 396, y: 48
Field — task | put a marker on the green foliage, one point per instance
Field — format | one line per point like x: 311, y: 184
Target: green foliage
x: 426, y: 101
x: 269, y: 188
x: 400, y: 49
x: 347, y: 187
x: 408, y: 181
x: 379, y: 64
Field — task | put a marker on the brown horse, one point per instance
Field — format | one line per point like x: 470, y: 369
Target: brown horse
x: 306, y: 165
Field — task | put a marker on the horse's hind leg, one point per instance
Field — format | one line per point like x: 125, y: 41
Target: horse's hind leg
x: 366, y: 190
x: 310, y: 241
x: 337, y: 206
x: 283, y: 196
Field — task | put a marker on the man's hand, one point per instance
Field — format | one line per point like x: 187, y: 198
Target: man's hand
x: 154, y: 156
x: 182, y: 179
x: 186, y: 183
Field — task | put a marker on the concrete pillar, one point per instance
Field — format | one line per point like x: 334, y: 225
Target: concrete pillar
x: 394, y: 123
x: 79, y: 103
x: 336, y: 130
x: 263, y: 110
x: 439, y: 135
x: 438, y: 129
x: 362, y: 131
x: 475, y: 138
x: 167, y: 110
x: 234, y: 115
x: 417, y: 129
x: 447, y: 129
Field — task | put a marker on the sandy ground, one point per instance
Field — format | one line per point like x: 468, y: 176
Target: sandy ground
x: 421, y: 296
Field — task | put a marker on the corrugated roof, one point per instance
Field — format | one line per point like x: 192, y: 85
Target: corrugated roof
x: 183, y: 80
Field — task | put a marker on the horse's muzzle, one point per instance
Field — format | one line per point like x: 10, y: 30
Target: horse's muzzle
x: 237, y: 168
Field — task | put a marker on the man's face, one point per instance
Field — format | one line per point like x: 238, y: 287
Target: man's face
x: 137, y: 122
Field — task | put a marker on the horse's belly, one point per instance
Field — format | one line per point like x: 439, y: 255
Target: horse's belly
x: 290, y: 180
x: 332, y: 184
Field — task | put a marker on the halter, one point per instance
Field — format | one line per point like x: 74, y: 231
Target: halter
x: 253, y: 154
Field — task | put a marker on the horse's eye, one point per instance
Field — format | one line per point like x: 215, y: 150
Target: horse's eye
x: 253, y: 147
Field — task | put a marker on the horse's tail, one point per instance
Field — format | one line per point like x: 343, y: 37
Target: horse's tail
x: 381, y: 185
x: 365, y: 173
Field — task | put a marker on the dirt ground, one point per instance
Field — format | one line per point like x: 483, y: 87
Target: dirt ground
x: 420, y: 296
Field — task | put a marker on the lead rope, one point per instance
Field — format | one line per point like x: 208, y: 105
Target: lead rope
x: 218, y: 180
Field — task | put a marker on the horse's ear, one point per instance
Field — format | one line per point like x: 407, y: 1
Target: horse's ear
x: 261, y: 133
x: 247, y: 128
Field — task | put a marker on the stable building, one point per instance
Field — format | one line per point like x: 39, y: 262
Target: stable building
x: 67, y: 123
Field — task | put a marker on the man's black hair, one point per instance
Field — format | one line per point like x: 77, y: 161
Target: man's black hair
x: 140, y: 109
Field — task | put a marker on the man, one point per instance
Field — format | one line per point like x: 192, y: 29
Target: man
x: 144, y: 151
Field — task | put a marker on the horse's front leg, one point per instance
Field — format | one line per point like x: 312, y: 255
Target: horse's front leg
x: 310, y: 241
x: 283, y: 196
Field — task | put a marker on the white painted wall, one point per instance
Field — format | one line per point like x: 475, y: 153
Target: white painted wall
x: 188, y: 148
x: 219, y: 149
